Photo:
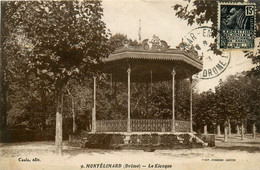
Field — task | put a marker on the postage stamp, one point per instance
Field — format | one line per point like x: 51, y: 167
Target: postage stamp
x: 236, y: 25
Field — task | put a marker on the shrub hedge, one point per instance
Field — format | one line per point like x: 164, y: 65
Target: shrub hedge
x: 23, y: 135
x: 110, y: 141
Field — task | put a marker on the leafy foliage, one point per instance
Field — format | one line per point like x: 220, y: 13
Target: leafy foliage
x: 119, y: 39
x: 48, y: 44
x: 204, y: 11
x: 236, y: 99
x: 255, y: 56
x: 61, y: 39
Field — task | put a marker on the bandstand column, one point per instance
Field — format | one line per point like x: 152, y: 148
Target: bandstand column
x: 94, y: 127
x: 191, y: 129
x: 129, y: 97
x: 173, y: 99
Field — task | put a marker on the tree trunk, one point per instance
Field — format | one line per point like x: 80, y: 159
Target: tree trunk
x: 4, y: 86
x: 43, y: 110
x: 238, y: 130
x: 254, y: 131
x: 93, y: 123
x: 229, y: 128
x: 245, y: 126
x: 218, y: 130
x: 242, y: 131
x: 3, y: 92
x: 225, y: 133
x: 89, y: 125
x: 205, y: 130
x: 74, y: 116
x: 58, y: 136
x: 74, y: 128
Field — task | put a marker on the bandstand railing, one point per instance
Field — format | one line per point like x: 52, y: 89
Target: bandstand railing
x: 142, y: 125
x: 182, y: 126
x: 111, y: 125
x: 151, y: 125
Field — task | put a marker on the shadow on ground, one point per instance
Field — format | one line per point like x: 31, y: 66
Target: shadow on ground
x: 240, y: 148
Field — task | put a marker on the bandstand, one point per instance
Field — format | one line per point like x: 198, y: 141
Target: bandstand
x: 153, y: 61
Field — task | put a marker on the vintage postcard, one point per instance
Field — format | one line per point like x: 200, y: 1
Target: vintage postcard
x: 130, y: 84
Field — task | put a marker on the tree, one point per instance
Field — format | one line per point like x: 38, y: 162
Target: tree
x: 205, y: 110
x: 182, y: 99
x: 23, y: 96
x: 255, y: 56
x: 238, y: 99
x: 3, y: 76
x: 205, y: 11
x: 64, y: 40
x: 118, y: 40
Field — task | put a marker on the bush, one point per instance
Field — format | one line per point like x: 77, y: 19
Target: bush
x: 134, y: 139
x: 105, y: 141
x: 155, y: 138
x: 117, y: 139
x: 24, y: 135
x: 169, y: 140
x: 210, y: 139
x: 145, y: 141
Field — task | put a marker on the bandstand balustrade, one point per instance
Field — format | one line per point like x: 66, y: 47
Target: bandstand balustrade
x: 142, y: 125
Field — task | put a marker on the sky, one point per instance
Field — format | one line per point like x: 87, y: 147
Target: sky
x: 158, y: 18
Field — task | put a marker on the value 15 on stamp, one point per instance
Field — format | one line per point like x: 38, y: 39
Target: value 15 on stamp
x: 236, y: 25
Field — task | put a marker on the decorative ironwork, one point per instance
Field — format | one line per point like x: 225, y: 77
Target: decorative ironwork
x: 182, y: 126
x: 142, y: 125
x: 151, y: 125
x: 111, y: 125
x: 155, y: 44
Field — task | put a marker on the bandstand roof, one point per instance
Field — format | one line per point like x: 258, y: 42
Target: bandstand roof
x: 153, y: 62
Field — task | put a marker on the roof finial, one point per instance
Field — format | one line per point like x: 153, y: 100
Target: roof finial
x: 139, y: 33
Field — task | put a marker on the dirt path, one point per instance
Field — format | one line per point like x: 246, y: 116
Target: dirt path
x: 234, y: 154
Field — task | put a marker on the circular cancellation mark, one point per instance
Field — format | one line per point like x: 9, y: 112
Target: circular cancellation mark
x: 214, y: 61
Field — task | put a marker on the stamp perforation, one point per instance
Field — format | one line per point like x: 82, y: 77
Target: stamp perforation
x: 219, y: 20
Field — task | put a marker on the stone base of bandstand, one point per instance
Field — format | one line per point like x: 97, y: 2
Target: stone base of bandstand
x: 141, y: 140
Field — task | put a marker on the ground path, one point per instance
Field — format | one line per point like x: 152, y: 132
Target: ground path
x: 234, y: 154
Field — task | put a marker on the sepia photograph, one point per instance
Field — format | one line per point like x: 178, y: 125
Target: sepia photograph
x: 130, y: 84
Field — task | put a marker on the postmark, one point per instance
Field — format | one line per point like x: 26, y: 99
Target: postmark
x: 200, y: 39
x: 236, y: 25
